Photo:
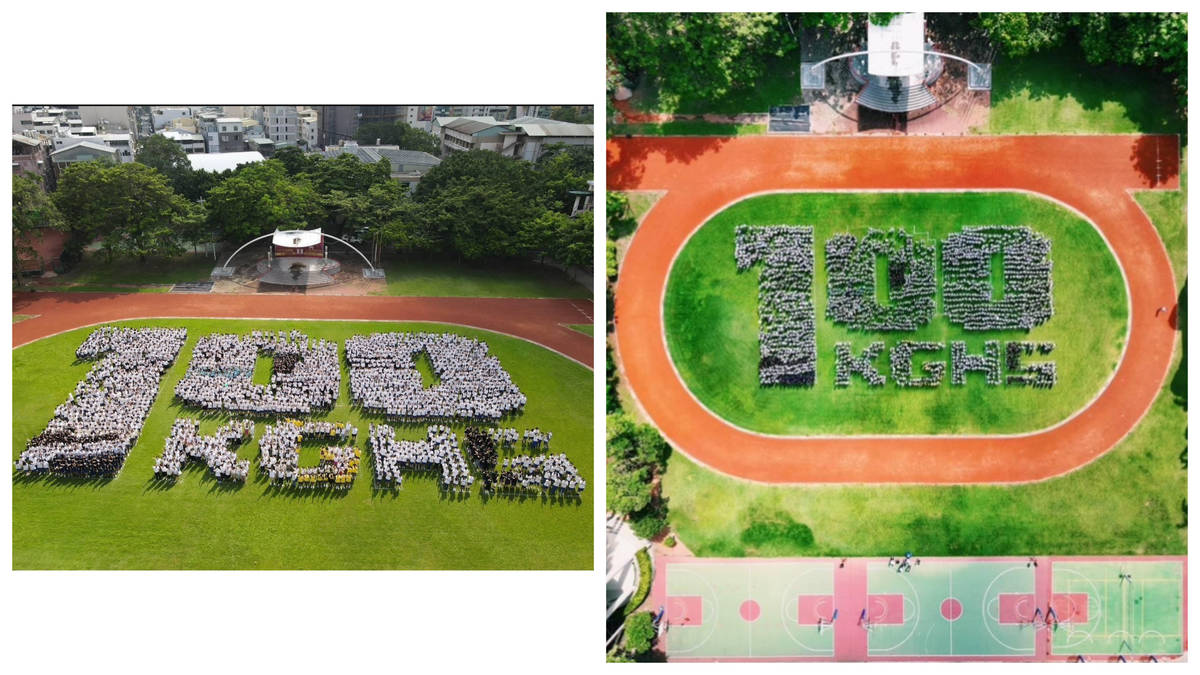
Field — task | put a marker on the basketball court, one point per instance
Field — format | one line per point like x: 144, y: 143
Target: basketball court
x: 950, y: 609
x: 744, y: 609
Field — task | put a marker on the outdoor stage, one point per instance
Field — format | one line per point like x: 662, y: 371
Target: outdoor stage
x: 298, y: 271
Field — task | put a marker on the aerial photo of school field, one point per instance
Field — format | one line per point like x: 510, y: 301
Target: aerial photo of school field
x: 896, y: 337
x: 293, y: 365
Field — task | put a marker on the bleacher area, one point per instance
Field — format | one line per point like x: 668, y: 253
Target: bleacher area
x: 909, y: 97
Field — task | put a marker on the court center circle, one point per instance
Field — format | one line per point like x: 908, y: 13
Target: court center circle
x: 951, y: 609
x: 750, y: 611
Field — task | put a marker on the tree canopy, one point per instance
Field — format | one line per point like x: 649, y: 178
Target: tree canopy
x: 639, y: 632
x: 571, y: 113
x: 259, y: 198
x: 32, y: 210
x: 697, y: 55
x: 480, y: 204
x: 159, y: 152
x: 1155, y: 40
x: 398, y: 133
x: 131, y: 208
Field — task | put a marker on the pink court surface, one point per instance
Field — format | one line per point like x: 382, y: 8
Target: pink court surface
x: 950, y: 609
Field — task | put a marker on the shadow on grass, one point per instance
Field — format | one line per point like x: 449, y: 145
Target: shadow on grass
x: 1145, y: 95
x: 1179, y: 321
x: 49, y: 479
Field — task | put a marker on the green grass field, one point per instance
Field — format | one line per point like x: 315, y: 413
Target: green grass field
x: 1058, y: 91
x: 688, y: 128
x: 585, y: 328
x: 711, y: 321
x: 125, y: 276
x: 504, y: 279
x: 1130, y: 501
x: 132, y: 522
x: 406, y: 276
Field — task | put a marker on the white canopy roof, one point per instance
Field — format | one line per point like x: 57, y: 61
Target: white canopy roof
x: 906, y: 35
x: 297, y: 238
x: 220, y: 161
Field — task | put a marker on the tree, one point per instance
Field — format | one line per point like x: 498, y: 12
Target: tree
x: 1155, y: 40
x: 697, y: 55
x: 571, y: 113
x: 80, y: 198
x: 146, y: 215
x: 620, y: 222
x: 561, y: 169
x: 613, y: 399
x: 259, y: 198
x: 398, y: 133
x: 164, y: 155
x: 1021, y: 33
x: 32, y: 211
x: 573, y: 238
x: 639, y: 632
x: 348, y: 174
x: 650, y: 521
x: 295, y: 161
x: 386, y: 206
x: 629, y: 487
x: 130, y: 207
x: 195, y: 185
x: 344, y: 213
x: 564, y: 238
x: 477, y: 204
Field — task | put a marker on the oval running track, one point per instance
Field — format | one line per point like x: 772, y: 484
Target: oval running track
x: 701, y: 176
x: 538, y: 320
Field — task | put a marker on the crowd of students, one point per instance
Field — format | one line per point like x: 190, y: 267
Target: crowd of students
x: 1042, y: 375
x: 850, y: 271
x: 471, y: 386
x: 551, y: 474
x: 93, y: 431
x: 279, y: 453
x: 847, y: 364
x: 216, y: 450
x: 967, y: 278
x: 438, y: 454
x: 305, y: 378
x: 787, y: 318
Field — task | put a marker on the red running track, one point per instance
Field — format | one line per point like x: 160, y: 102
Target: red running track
x: 542, y: 321
x: 701, y: 176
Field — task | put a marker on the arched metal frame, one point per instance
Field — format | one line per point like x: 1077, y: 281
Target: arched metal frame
x: 352, y: 247
x: 923, y: 52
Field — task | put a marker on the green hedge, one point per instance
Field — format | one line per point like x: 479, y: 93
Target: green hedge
x: 645, y: 578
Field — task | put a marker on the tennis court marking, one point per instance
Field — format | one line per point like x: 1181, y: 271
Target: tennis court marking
x: 1126, y: 587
